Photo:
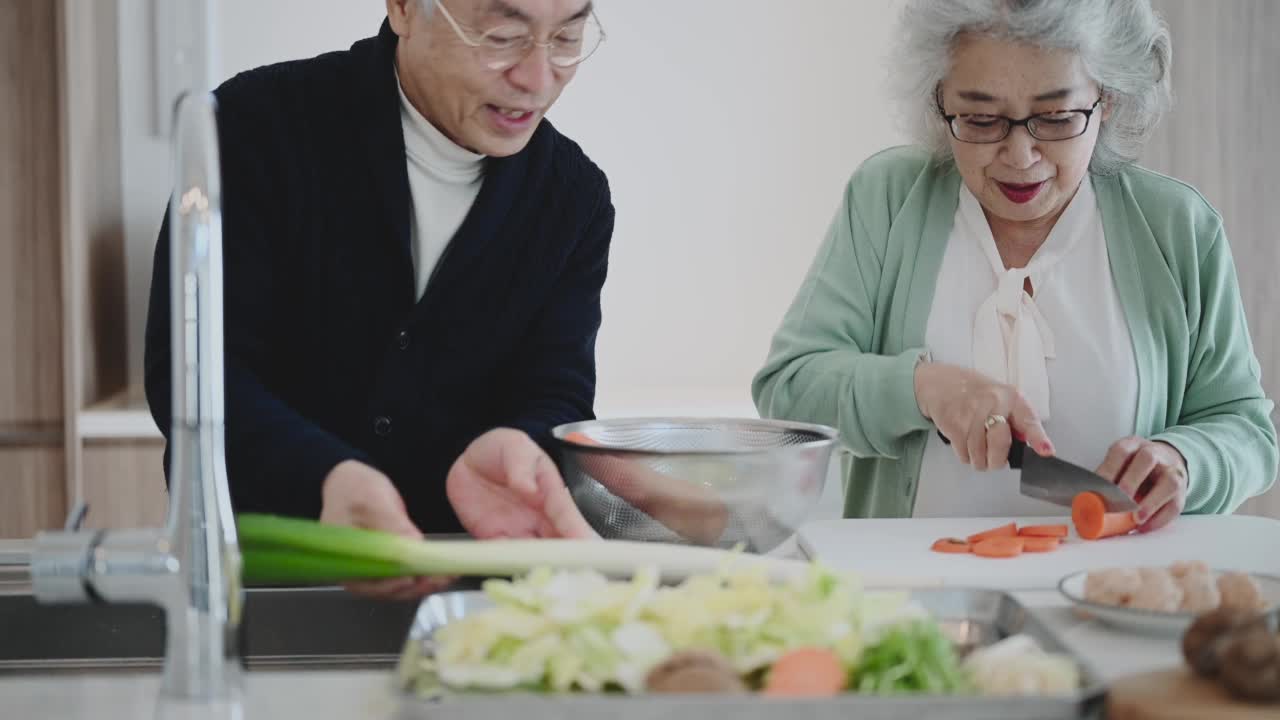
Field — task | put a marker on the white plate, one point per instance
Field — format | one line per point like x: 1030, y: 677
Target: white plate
x: 1151, y: 621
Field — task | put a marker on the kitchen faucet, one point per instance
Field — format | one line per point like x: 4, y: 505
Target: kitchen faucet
x: 191, y: 566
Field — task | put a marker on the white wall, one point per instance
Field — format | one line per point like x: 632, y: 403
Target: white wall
x: 245, y: 34
x: 727, y: 129
x: 144, y: 166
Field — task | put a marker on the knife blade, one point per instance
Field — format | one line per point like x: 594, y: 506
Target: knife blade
x: 1057, y: 481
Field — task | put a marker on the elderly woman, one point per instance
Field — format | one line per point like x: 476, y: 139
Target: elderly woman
x: 1020, y: 276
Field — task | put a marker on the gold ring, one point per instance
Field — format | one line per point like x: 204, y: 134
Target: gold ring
x: 993, y: 420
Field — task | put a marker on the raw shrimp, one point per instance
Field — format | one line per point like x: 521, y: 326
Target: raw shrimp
x: 1158, y: 591
x: 1180, y: 570
x: 1240, y: 591
x: 1199, y: 591
x: 1112, y: 587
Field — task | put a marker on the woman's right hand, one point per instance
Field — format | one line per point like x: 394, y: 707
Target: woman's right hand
x: 962, y: 402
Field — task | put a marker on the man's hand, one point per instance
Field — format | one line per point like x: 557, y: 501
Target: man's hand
x: 502, y: 486
x: 505, y: 486
x: 357, y: 495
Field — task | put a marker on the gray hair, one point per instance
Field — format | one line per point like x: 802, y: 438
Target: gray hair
x: 1123, y: 44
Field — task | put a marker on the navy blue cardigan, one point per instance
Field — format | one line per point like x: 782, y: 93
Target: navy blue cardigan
x: 329, y: 354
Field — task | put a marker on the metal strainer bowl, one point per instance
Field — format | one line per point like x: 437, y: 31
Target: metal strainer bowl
x: 711, y: 482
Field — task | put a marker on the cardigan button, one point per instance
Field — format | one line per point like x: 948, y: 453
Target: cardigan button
x: 382, y: 426
x: 402, y: 340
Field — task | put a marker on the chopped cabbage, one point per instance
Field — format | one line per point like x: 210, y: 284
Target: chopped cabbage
x: 564, y: 631
x: 1017, y: 665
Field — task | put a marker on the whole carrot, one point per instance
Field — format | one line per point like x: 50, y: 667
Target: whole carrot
x: 1093, y: 522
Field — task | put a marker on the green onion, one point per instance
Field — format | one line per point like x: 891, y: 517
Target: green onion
x: 285, y: 550
x: 282, y: 567
x: 293, y: 550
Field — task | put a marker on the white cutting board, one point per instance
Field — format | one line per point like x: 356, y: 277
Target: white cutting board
x: 900, y: 548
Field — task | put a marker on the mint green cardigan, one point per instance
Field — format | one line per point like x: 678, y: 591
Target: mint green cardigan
x: 846, y: 352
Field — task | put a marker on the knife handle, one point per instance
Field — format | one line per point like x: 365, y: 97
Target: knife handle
x: 1017, y: 449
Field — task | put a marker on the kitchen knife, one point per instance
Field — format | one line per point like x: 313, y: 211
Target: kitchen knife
x: 1058, y: 481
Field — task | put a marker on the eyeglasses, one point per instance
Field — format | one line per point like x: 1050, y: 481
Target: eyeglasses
x: 1050, y: 126
x: 502, y: 47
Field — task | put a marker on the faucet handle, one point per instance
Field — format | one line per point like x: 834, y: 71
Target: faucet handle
x: 60, y: 561
x: 75, y: 518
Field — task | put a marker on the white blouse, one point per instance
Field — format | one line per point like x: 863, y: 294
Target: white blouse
x: 1067, y: 349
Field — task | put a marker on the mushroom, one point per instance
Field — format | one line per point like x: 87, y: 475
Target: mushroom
x: 1204, y: 642
x: 1251, y: 664
x: 694, y: 671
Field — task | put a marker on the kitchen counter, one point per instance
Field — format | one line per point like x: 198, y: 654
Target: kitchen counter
x: 274, y: 695
x: 288, y: 694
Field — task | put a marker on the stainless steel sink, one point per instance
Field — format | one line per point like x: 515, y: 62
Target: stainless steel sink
x: 283, y: 627
x: 323, y: 627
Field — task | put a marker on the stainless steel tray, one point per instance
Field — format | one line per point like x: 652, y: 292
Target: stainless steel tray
x: 971, y: 618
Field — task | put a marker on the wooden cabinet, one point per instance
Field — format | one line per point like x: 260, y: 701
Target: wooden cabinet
x: 62, y: 274
x: 30, y: 268
x: 32, y: 408
x: 124, y: 482
x: 32, y: 495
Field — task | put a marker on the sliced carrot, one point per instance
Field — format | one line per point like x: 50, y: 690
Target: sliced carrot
x: 1051, y: 531
x: 1009, y: 530
x: 1034, y: 543
x: 999, y: 547
x: 951, y: 545
x: 581, y: 439
x: 1093, y: 522
x: 806, y: 672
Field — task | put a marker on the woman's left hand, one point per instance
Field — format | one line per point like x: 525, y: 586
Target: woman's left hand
x: 1153, y: 473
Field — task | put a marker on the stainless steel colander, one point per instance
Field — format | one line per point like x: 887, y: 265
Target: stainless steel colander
x: 712, y: 482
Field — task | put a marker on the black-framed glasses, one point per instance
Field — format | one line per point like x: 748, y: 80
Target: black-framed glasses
x: 500, y: 48
x: 1050, y: 126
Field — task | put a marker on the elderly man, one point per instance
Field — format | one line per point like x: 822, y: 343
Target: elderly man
x: 413, y: 261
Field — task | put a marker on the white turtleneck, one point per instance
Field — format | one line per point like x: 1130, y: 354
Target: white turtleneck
x: 1067, y: 348
x: 444, y: 180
